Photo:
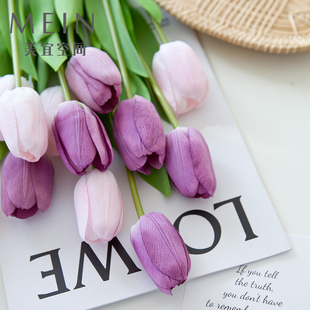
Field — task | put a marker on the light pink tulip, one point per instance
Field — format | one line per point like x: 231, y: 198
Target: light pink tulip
x: 7, y: 83
x: 51, y: 98
x: 98, y: 206
x: 23, y: 123
x: 181, y: 76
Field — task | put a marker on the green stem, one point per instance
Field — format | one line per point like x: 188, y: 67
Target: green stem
x: 14, y: 46
x: 63, y: 82
x: 117, y: 47
x: 158, y: 30
x: 134, y: 193
x: 160, y: 96
x: 70, y: 37
x: 124, y: 73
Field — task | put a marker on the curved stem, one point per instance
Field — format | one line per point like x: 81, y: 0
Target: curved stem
x: 14, y: 46
x: 70, y: 37
x: 160, y: 96
x: 134, y: 193
x: 63, y: 82
x: 117, y: 47
x: 159, y: 30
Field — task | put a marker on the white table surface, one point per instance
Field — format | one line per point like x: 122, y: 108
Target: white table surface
x: 269, y: 96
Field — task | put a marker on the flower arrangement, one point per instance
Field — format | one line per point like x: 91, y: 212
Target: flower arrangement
x: 87, y: 115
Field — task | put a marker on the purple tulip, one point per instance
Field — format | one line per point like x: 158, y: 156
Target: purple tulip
x: 188, y: 163
x: 161, y: 251
x: 80, y: 138
x: 181, y: 76
x: 139, y: 135
x: 99, y: 206
x: 26, y: 186
x: 95, y: 79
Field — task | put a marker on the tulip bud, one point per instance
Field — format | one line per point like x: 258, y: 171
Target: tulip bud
x: 23, y: 123
x: 98, y: 206
x: 95, y: 79
x: 81, y: 138
x: 161, y: 251
x: 188, y: 163
x: 139, y: 135
x: 7, y: 82
x: 181, y: 76
x: 26, y: 187
x: 51, y: 98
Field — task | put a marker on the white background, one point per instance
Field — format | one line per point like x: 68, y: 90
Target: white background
x: 269, y: 96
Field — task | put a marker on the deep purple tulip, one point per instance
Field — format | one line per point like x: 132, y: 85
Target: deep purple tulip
x: 26, y: 186
x: 161, y: 251
x: 95, y: 79
x: 188, y: 163
x: 139, y: 135
x: 80, y: 138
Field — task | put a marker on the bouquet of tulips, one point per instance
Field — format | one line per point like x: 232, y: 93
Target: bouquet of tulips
x: 114, y: 95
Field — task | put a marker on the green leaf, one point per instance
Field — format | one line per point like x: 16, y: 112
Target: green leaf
x: 158, y: 179
x: 144, y: 34
x: 128, y: 21
x: 152, y: 8
x: 6, y: 61
x: 56, y: 59
x: 5, y: 24
x: 43, y: 74
x: 3, y: 149
x: 38, y: 8
x: 131, y: 55
x: 70, y: 7
x: 107, y: 121
x: 101, y: 25
x: 138, y: 87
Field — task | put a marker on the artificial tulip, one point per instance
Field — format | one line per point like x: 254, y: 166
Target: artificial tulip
x: 161, y: 251
x: 23, y: 123
x: 139, y: 135
x: 95, y: 79
x: 188, y: 163
x: 81, y: 138
x: 7, y: 82
x: 181, y: 76
x: 98, y: 206
x: 51, y: 98
x: 26, y: 187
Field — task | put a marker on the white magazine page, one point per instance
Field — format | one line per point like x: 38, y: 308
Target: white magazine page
x: 45, y: 263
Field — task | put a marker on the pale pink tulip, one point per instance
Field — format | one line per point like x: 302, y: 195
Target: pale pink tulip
x: 23, y: 123
x: 7, y: 83
x: 98, y: 206
x: 51, y: 98
x: 181, y: 77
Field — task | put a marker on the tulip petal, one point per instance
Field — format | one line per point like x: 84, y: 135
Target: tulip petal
x: 99, y: 136
x: 178, y: 163
x: 42, y: 175
x: 202, y: 164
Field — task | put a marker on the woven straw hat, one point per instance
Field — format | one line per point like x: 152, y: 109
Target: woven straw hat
x: 275, y: 26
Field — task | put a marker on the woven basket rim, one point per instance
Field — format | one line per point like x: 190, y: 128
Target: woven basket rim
x: 253, y: 38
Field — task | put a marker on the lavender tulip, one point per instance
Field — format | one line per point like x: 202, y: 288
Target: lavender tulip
x: 26, y: 187
x: 161, y: 251
x: 99, y: 206
x: 181, y: 76
x: 188, y: 163
x: 95, y: 79
x: 139, y: 135
x: 81, y: 138
x: 23, y: 123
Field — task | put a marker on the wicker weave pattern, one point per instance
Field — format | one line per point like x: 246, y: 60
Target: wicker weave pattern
x: 276, y: 26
